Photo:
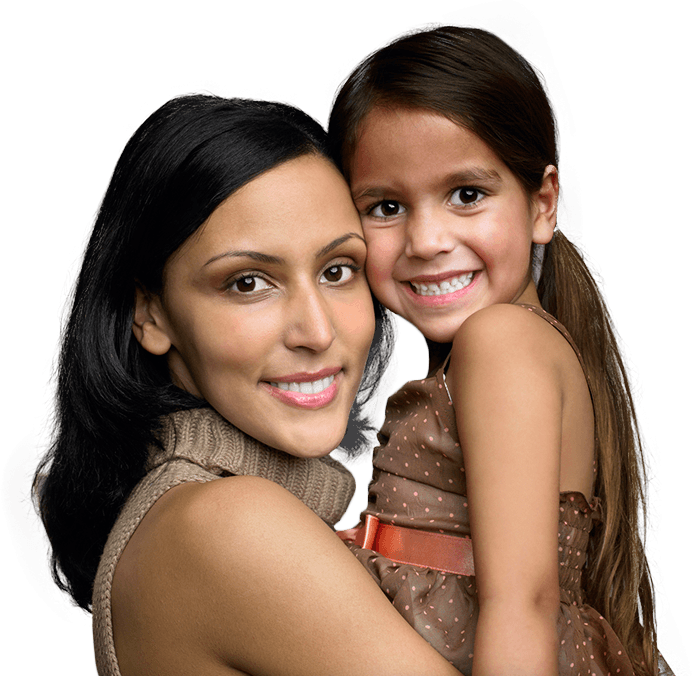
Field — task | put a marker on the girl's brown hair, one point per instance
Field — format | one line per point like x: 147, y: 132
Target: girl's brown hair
x: 476, y: 80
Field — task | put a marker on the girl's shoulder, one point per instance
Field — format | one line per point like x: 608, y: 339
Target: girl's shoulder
x: 522, y: 334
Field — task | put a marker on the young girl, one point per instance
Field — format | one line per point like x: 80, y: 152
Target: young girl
x: 525, y: 427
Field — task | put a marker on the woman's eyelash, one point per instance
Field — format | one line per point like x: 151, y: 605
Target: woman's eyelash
x: 334, y: 267
x: 248, y: 283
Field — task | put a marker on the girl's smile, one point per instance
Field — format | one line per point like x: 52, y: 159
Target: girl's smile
x: 449, y: 228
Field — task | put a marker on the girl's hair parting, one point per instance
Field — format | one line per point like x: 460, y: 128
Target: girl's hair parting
x: 185, y: 159
x: 473, y: 78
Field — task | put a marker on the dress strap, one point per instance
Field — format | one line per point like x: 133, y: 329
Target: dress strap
x: 442, y: 374
x: 565, y: 334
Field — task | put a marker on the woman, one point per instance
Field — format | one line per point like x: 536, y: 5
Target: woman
x: 221, y: 313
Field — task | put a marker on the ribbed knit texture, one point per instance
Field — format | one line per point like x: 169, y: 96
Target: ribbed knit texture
x: 200, y: 445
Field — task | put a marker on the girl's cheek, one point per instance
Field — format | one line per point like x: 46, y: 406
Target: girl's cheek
x: 379, y: 276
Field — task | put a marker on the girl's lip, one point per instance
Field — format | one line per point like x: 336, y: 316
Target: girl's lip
x: 304, y: 400
x: 440, y: 277
x: 444, y: 299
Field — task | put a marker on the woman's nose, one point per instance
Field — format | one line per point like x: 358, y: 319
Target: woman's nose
x: 310, y: 324
x: 428, y: 235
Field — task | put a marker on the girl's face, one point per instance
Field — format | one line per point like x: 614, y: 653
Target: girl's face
x: 266, y: 312
x: 448, y: 226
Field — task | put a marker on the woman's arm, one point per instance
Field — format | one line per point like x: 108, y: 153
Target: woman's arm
x: 506, y: 383
x: 237, y: 576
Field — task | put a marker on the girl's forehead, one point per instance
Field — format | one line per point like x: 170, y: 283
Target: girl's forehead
x: 419, y: 145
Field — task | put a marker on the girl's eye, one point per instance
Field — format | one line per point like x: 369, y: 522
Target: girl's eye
x: 386, y: 209
x: 338, y: 274
x: 466, y: 197
x: 249, y: 283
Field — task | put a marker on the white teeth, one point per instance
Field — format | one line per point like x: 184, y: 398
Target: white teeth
x: 448, y: 286
x: 311, y: 387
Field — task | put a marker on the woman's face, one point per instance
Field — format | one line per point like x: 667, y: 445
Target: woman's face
x: 266, y: 310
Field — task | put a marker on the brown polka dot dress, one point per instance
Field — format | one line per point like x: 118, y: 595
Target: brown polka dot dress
x: 419, y: 482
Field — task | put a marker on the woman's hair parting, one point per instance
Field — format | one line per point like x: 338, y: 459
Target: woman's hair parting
x: 473, y: 78
x: 185, y: 159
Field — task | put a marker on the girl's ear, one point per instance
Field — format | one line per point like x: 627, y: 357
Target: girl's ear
x: 148, y: 324
x: 545, y: 205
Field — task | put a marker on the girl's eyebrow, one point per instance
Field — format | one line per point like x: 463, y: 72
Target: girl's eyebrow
x: 475, y: 174
x: 277, y: 260
x: 464, y: 177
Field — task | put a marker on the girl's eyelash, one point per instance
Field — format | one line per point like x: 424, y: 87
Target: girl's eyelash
x: 480, y: 196
x: 371, y: 208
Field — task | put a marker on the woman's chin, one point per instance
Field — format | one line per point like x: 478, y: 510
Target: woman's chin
x: 309, y: 449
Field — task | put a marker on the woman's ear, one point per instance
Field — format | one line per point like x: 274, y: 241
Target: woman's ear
x: 148, y: 324
x: 545, y: 205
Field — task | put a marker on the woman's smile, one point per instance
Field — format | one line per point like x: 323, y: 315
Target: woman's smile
x: 267, y: 309
x: 306, y: 390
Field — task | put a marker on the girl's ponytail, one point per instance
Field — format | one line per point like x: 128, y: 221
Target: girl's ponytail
x: 617, y: 579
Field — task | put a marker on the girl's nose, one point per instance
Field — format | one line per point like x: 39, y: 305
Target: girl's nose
x: 309, y: 324
x: 428, y: 235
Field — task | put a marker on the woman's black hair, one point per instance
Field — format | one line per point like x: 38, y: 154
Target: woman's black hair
x: 187, y: 158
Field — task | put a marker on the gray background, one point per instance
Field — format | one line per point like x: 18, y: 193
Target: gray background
x: 79, y: 77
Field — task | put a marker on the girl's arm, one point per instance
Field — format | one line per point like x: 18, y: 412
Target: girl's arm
x: 506, y: 384
x: 237, y: 576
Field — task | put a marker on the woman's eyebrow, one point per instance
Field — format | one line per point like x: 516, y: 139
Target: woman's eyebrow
x: 277, y: 260
x: 254, y: 255
x: 338, y: 242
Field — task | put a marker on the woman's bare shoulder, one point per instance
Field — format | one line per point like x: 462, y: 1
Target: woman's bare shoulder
x: 199, y: 542
x: 238, y: 574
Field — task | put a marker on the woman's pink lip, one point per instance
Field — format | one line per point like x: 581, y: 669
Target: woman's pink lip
x: 444, y: 299
x: 301, y: 400
x: 304, y: 377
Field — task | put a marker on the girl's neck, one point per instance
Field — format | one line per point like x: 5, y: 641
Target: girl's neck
x: 437, y: 353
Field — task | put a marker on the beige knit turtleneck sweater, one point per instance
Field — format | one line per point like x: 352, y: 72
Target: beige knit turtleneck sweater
x: 200, y: 445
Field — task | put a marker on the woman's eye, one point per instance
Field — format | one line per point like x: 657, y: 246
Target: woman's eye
x: 466, y: 196
x: 338, y: 274
x: 386, y: 209
x: 249, y: 283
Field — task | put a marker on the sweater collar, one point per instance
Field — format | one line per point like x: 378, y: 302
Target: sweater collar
x: 205, y: 438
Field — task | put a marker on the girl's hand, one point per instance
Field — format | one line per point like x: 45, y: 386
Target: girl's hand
x: 237, y: 576
x: 507, y: 379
